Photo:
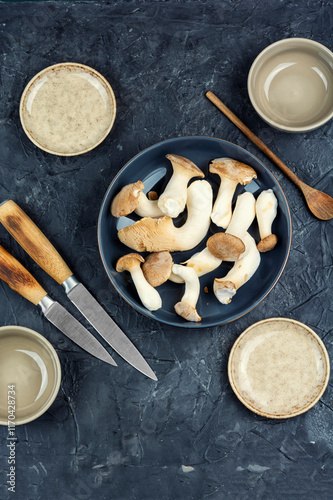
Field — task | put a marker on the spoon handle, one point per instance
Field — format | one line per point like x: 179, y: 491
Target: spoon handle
x: 222, y: 107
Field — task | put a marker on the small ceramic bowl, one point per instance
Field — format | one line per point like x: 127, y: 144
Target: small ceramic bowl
x: 279, y: 368
x: 290, y: 84
x: 67, y: 109
x: 30, y: 375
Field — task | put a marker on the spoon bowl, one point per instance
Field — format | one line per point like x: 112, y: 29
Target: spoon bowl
x: 319, y: 203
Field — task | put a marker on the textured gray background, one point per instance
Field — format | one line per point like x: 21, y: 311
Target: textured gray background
x: 112, y: 433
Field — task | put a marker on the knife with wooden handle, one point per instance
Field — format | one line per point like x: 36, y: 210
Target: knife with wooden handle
x: 35, y: 243
x: 21, y: 281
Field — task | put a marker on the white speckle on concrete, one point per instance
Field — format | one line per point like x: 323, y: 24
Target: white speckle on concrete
x: 35, y: 468
x: 187, y: 468
x: 43, y: 468
x: 257, y: 468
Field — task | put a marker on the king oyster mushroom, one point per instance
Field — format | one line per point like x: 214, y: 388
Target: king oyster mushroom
x: 173, y: 199
x: 132, y: 199
x: 266, y: 209
x: 149, y: 297
x: 226, y: 246
x: 231, y: 173
x: 186, y: 308
x: 157, y: 268
x: 155, y: 235
x: 243, y: 269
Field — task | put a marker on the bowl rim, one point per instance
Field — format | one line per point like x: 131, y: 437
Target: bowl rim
x: 189, y: 324
x: 308, y: 330
x: 273, y: 123
x: 58, y: 373
x: 51, y: 68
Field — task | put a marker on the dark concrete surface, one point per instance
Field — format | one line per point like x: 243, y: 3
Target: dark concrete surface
x: 112, y: 433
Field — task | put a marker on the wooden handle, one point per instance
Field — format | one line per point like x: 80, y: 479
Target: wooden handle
x: 27, y: 234
x: 19, y: 279
x: 229, y: 114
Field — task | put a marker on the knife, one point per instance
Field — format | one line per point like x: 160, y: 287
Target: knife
x: 21, y: 281
x: 35, y: 243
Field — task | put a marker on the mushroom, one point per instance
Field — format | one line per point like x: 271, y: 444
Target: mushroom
x: 243, y: 216
x: 173, y: 199
x: 132, y: 199
x: 155, y: 235
x: 226, y: 246
x: 231, y: 172
x: 243, y: 269
x: 266, y: 209
x: 149, y: 297
x: 157, y: 268
x: 186, y: 308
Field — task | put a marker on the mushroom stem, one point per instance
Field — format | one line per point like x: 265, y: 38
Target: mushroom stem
x: 243, y: 269
x: 147, y: 208
x: 173, y: 199
x: 148, y: 295
x: 243, y: 216
x: 231, y: 173
x: 205, y: 262
x: 187, y: 306
x: 266, y: 210
x: 222, y: 210
x: 154, y: 235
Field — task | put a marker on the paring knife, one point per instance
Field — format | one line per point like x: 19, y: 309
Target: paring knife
x: 19, y: 279
x: 35, y: 243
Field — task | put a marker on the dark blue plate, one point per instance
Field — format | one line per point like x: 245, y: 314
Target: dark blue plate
x: 154, y: 170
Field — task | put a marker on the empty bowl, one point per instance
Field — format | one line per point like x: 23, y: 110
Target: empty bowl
x: 67, y: 109
x: 290, y: 84
x: 30, y: 375
x: 279, y: 368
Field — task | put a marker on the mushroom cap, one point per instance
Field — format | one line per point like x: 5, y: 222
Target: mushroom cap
x: 185, y: 164
x: 157, y: 268
x: 233, y: 169
x: 148, y: 235
x: 127, y: 199
x: 187, y: 312
x: 128, y: 262
x: 267, y: 243
x: 225, y: 246
x: 224, y: 290
x: 152, y: 196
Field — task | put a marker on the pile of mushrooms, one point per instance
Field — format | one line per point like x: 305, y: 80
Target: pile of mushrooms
x: 155, y: 232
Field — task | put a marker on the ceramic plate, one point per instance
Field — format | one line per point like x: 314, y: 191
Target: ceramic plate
x: 154, y: 170
x: 279, y: 368
x: 30, y: 375
x: 67, y: 109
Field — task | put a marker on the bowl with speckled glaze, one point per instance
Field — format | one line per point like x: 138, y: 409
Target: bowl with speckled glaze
x: 279, y: 368
x: 67, y: 109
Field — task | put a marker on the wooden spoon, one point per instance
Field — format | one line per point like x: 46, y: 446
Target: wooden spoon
x: 319, y: 203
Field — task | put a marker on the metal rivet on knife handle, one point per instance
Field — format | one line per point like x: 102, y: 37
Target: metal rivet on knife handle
x: 33, y: 241
x: 19, y: 279
x: 27, y: 234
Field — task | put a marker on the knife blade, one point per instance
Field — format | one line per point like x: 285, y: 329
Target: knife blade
x: 21, y: 281
x: 41, y: 250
